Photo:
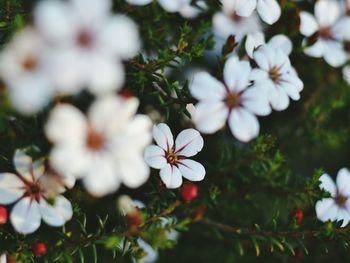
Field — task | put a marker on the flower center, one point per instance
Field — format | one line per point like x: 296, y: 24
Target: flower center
x: 232, y: 100
x: 84, y: 39
x: 340, y: 200
x: 325, y: 33
x: 33, y: 190
x: 171, y: 157
x: 235, y: 17
x: 95, y: 141
x: 274, y: 74
x: 29, y: 63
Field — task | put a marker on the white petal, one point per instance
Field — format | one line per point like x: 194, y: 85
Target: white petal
x: 292, y: 85
x: 66, y: 124
x: 92, y: 11
x: 3, y: 258
x: 154, y: 157
x: 282, y: 42
x: 209, y: 117
x: 133, y: 169
x: 236, y: 74
x: 191, y: 170
x: 139, y: 2
x: 105, y: 75
x: 308, y: 24
x: 188, y: 143
x: 341, y: 30
x: 326, y: 209
x: 10, y: 188
x: 343, y: 182
x: 328, y: 185
x: 103, y: 118
x: 279, y: 98
x: 102, y: 178
x: 346, y: 74
x: 253, y: 41
x: 334, y: 53
x: 327, y: 12
x: 243, y: 124
x: 54, y: 19
x: 58, y: 213
x: 244, y: 7
x: 170, y: 6
x: 269, y: 11
x: 128, y: 43
x: 25, y: 216
x: 207, y: 88
x: 151, y: 254
x: 259, y: 75
x: 171, y: 176
x: 343, y: 215
x: 316, y: 50
x: 23, y: 164
x: 264, y: 57
x: 255, y: 100
x: 163, y: 136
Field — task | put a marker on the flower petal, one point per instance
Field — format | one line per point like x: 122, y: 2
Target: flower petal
x: 170, y: 6
x: 279, y: 98
x: 282, y: 42
x: 23, y: 164
x: 308, y: 24
x: 243, y: 124
x: 163, y: 136
x: 327, y: 12
x: 133, y: 169
x: 316, y: 50
x: 209, y: 117
x: 25, y: 216
x: 58, y: 213
x: 66, y: 124
x: 236, y: 74
x: 154, y: 157
x: 343, y: 182
x: 328, y: 185
x: 191, y: 170
x: 139, y: 2
x: 207, y: 88
x: 326, y: 209
x: 10, y: 188
x: 188, y: 143
x: 243, y: 8
x: 264, y: 57
x: 253, y: 41
x: 171, y: 176
x: 334, y: 53
x: 255, y: 100
x: 269, y: 10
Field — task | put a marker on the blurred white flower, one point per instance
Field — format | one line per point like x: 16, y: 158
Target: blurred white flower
x: 89, y: 44
x: 329, y: 29
x: 234, y: 21
x: 276, y: 75
x: 34, y: 201
x: 3, y: 258
x: 171, y: 158
x: 234, y: 100
x: 183, y: 7
x: 346, y: 74
x: 105, y: 148
x: 24, y: 69
x: 336, y: 207
x: 257, y: 39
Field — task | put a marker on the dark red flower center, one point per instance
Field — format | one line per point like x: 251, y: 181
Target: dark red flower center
x: 232, y: 100
x: 29, y: 63
x: 274, y: 74
x: 340, y: 200
x: 95, y: 141
x: 84, y: 39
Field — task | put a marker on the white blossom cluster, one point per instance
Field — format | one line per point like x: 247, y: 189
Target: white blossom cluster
x: 80, y: 45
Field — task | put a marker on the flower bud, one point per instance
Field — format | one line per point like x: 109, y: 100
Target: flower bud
x: 3, y: 215
x: 189, y: 192
x: 39, y: 249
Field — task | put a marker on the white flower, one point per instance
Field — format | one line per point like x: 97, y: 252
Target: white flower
x: 232, y: 100
x: 89, y: 44
x: 171, y: 157
x: 3, y: 258
x: 105, y: 148
x: 346, y: 74
x: 34, y: 202
x: 183, y: 7
x: 337, y: 207
x: 23, y: 68
x: 330, y: 30
x: 257, y: 39
x: 277, y: 76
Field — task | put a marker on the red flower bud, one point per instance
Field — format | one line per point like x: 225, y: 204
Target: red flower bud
x: 189, y: 192
x: 39, y: 249
x: 3, y: 215
x: 298, y: 214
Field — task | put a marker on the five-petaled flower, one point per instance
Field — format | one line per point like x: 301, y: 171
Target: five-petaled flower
x: 328, y: 29
x: 34, y: 202
x: 336, y: 207
x: 234, y: 100
x: 172, y: 157
x: 105, y: 148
